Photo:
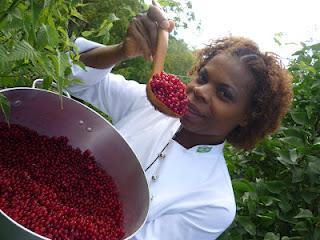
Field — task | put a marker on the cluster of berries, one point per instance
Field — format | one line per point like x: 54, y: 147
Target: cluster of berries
x: 56, y: 190
x: 171, y: 91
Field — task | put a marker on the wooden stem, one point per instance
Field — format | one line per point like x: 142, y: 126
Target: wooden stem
x: 161, y: 51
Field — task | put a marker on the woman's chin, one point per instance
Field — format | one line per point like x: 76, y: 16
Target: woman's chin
x: 188, y: 123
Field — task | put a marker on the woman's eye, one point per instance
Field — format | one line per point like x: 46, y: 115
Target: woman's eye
x: 225, y: 94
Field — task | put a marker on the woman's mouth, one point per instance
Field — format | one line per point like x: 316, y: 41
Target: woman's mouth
x: 193, y: 111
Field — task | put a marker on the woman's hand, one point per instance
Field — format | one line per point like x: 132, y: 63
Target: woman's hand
x: 141, y: 40
x: 141, y: 36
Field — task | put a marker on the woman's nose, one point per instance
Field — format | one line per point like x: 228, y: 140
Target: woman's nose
x: 201, y: 93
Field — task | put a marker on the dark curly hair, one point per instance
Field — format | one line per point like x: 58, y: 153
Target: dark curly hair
x: 271, y: 95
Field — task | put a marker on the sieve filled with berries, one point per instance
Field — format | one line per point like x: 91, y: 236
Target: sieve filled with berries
x: 66, y: 173
x: 166, y: 92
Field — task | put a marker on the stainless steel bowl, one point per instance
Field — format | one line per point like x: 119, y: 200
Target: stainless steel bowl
x: 40, y: 110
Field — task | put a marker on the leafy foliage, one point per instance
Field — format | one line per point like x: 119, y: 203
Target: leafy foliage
x: 179, y: 60
x: 35, y: 36
x: 277, y: 185
x: 109, y: 25
x: 34, y: 42
x: 181, y: 12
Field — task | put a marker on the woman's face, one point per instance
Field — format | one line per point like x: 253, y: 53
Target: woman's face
x: 218, y: 98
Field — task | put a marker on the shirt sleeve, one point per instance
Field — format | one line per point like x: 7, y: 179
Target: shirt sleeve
x: 203, y: 223
x: 110, y: 93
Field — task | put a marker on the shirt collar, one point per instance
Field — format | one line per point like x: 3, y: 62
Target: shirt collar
x: 199, y: 149
x: 204, y: 149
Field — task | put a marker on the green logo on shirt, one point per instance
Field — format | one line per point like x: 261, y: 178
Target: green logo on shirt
x: 204, y: 149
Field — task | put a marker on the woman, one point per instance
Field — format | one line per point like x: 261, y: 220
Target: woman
x: 237, y: 94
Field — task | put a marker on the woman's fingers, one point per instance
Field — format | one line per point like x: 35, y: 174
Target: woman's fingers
x: 156, y: 14
x: 143, y: 30
x: 171, y: 25
x: 152, y: 31
x: 140, y: 35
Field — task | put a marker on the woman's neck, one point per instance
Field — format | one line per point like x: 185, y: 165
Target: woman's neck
x: 189, y: 139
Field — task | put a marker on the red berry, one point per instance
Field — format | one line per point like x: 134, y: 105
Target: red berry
x: 55, y: 190
x: 171, y: 91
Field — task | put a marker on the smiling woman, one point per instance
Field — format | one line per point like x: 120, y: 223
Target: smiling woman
x: 236, y: 94
x: 252, y: 82
x: 218, y: 99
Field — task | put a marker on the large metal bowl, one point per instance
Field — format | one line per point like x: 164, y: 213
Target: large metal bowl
x: 41, y: 110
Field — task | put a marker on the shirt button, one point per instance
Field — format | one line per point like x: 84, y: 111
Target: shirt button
x: 152, y: 197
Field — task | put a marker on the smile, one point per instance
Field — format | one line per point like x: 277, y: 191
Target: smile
x: 193, y: 111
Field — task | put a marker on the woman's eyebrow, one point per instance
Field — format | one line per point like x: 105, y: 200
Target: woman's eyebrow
x: 226, y: 83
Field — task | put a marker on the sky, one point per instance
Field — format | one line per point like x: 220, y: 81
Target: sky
x: 259, y: 20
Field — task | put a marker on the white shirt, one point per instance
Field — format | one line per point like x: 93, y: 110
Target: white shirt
x: 193, y: 197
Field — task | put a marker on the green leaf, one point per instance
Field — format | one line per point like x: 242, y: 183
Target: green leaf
x: 316, y: 233
x: 241, y: 186
x: 316, y: 84
x: 307, y: 67
x: 5, y: 107
x: 112, y: 17
x: 74, y: 12
x: 312, y: 158
x: 301, y: 227
x: 297, y: 175
x: 287, y: 157
x: 4, y: 61
x: 295, y: 141
x: 313, y: 164
x: 294, y: 131
x: 316, y: 141
x: 47, y: 83
x: 106, y: 38
x: 265, y: 217
x: 60, y: 62
x: 285, y: 205
x: 252, y: 206
x: 304, y: 213
x: 315, y: 47
x: 314, y: 167
x: 21, y: 51
x: 87, y: 33
x: 48, y: 35
x: 271, y: 236
x: 308, y: 197
x: 36, y: 10
x: 275, y: 186
x: 104, y: 28
x: 268, y: 200
x: 299, y: 117
x: 247, y: 224
x: 44, y: 65
x: 310, y: 109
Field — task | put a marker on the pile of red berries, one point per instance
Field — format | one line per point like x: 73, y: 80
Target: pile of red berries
x: 171, y: 91
x: 55, y: 190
